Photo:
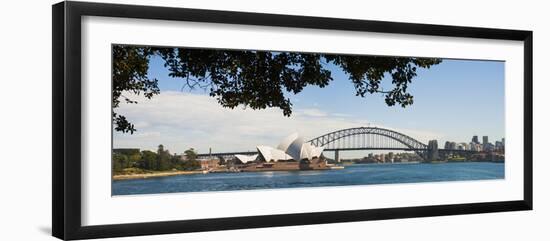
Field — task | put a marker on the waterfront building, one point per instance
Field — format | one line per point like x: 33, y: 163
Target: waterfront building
x: 371, y: 156
x: 489, y: 147
x: 485, y: 140
x: 291, y: 148
x: 475, y: 140
x: 472, y: 146
x: 464, y: 146
x: 209, y: 164
x: 499, y: 146
x: 447, y: 145
x: 453, y: 146
x: 475, y: 147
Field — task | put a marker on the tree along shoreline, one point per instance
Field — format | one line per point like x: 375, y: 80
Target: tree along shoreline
x: 131, y: 163
x: 155, y: 174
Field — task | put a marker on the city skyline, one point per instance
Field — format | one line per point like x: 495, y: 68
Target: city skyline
x: 454, y: 101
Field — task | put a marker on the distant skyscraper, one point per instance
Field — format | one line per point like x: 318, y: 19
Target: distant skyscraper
x: 485, y: 140
x: 489, y: 147
x: 499, y: 145
x: 453, y: 146
x: 475, y: 140
x: 473, y: 146
x: 447, y: 145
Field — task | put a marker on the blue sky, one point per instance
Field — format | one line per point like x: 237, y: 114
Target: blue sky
x: 452, y: 101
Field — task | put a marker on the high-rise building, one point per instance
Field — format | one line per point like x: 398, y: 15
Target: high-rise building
x: 489, y: 147
x: 499, y: 145
x: 475, y: 140
x: 473, y: 146
x: 447, y: 145
x: 485, y: 140
x: 453, y: 146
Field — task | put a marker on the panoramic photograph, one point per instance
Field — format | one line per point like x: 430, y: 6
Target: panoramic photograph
x: 208, y: 120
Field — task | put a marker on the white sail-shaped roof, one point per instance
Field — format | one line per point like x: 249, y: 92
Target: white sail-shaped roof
x: 279, y: 155
x: 295, y: 148
x: 317, y: 151
x: 291, y: 147
x: 285, y: 143
x: 246, y: 158
x: 272, y: 154
x: 306, y: 151
x: 265, y: 151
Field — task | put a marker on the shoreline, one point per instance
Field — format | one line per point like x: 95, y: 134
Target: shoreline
x: 153, y: 175
x: 177, y: 173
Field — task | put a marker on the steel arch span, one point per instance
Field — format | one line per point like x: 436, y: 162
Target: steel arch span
x: 368, y: 138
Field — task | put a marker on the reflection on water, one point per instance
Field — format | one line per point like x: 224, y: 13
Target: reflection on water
x: 268, y: 174
x: 351, y: 175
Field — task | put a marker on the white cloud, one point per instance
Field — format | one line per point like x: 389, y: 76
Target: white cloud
x: 182, y: 120
x: 313, y: 112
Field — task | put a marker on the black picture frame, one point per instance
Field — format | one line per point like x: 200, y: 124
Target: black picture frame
x: 66, y: 128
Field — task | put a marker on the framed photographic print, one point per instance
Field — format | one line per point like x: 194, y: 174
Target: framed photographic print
x: 170, y: 120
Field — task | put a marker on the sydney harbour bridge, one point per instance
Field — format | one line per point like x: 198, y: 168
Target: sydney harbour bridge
x: 364, y: 138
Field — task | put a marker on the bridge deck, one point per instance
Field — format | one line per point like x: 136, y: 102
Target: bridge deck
x: 333, y: 149
x: 361, y: 139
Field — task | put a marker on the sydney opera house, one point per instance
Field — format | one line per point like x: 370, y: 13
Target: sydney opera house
x: 291, y: 154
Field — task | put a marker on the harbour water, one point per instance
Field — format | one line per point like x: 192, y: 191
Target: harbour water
x: 357, y: 174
